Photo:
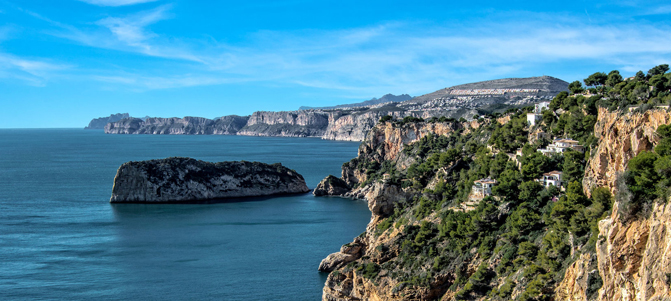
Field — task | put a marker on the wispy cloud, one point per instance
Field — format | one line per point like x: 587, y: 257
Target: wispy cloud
x: 390, y: 57
x: 661, y: 10
x: 116, y: 2
x: 33, y: 71
x: 131, y: 30
x: 128, y: 33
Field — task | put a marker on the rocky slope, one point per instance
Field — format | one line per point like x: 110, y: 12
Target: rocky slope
x: 187, y: 180
x: 385, y: 141
x: 621, y: 137
x: 99, y: 123
x: 633, y: 254
x: 631, y: 260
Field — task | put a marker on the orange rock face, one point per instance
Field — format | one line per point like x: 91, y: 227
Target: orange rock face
x: 621, y: 137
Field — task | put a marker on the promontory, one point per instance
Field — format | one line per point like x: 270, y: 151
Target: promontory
x: 179, y: 179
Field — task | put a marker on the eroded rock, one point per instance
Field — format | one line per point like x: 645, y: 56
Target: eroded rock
x: 331, y: 186
x: 186, y: 180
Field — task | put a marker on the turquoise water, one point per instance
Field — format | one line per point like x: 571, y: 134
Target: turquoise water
x: 61, y: 239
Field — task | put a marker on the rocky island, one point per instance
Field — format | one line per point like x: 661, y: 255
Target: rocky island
x: 176, y: 179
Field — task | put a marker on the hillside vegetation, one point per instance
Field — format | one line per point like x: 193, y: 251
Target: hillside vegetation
x: 517, y: 242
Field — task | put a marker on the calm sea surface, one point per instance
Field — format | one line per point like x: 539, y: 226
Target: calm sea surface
x: 60, y: 238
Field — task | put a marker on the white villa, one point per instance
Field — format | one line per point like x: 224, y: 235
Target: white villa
x: 558, y: 146
x: 553, y: 178
x: 537, y: 115
x: 482, y: 188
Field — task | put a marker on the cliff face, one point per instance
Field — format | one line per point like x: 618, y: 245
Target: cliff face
x: 286, y: 124
x: 227, y: 125
x: 185, y: 180
x: 621, y: 137
x: 354, y: 127
x: 633, y: 255
x: 385, y: 141
x: 352, y: 122
x: 99, y: 123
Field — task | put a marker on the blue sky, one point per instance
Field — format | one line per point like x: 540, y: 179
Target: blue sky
x: 63, y: 62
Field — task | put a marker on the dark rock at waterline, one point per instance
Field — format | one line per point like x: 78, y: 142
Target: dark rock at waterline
x: 190, y: 180
x: 331, y: 186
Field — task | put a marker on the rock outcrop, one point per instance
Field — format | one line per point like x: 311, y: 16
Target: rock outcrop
x: 633, y: 252
x: 355, y: 126
x: 385, y: 141
x: 348, y: 253
x: 227, y: 125
x: 331, y: 186
x: 189, y: 180
x: 99, y: 123
x: 635, y: 256
x: 621, y: 137
x: 308, y: 123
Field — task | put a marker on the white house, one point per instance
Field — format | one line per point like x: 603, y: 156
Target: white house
x: 558, y: 146
x: 537, y: 115
x: 482, y: 188
x: 553, y: 178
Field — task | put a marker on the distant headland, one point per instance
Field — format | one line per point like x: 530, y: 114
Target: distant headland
x: 352, y: 122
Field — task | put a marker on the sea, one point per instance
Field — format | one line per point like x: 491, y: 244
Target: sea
x: 61, y: 239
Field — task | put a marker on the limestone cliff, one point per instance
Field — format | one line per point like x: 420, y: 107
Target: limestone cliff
x: 352, y: 123
x: 385, y: 141
x: 308, y: 123
x: 186, y: 180
x: 227, y: 125
x: 633, y: 254
x: 632, y: 257
x: 355, y: 126
x: 621, y: 137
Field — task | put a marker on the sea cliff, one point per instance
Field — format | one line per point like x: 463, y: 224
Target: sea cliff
x: 227, y: 125
x: 308, y: 123
x: 188, y: 180
x: 633, y: 253
x: 399, y: 257
x: 352, y: 123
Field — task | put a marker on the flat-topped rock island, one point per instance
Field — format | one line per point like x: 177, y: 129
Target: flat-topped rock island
x: 181, y: 180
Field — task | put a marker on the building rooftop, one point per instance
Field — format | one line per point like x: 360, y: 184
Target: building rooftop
x: 486, y: 181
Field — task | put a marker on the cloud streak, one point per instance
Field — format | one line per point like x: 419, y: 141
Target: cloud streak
x: 116, y: 2
x: 34, y: 72
x: 400, y: 57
